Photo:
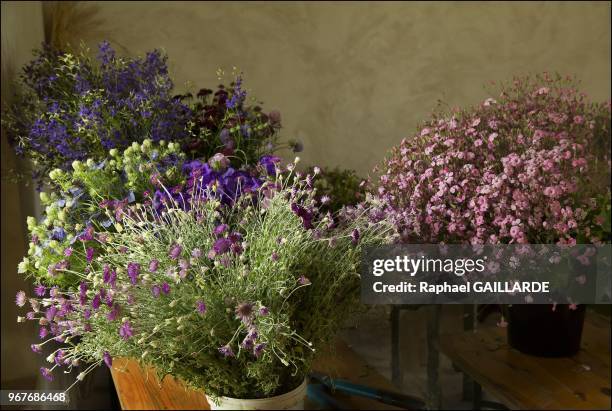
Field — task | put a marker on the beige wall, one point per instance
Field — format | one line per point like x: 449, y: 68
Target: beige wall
x: 22, y: 31
x: 352, y: 79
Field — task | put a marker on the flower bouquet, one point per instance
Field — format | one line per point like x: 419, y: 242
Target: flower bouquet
x: 532, y: 166
x: 230, y: 280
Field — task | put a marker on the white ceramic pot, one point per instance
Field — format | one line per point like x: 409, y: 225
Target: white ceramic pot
x: 293, y: 400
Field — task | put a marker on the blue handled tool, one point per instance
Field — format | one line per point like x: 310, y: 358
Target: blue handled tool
x: 322, y: 385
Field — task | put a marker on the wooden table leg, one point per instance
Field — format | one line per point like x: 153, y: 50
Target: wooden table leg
x: 434, y: 391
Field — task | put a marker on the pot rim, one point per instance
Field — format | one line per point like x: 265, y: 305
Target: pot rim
x: 293, y: 393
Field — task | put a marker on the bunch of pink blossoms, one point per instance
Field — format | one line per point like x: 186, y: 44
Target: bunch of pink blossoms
x: 532, y: 166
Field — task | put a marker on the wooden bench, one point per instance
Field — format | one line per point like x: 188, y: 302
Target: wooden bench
x: 140, y: 389
x: 520, y: 381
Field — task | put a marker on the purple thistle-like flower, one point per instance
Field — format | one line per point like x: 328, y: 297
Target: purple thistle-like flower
x: 303, y: 280
x: 220, y: 229
x: 43, y: 332
x: 30, y: 315
x: 45, y: 372
x: 247, y: 343
x: 133, y: 270
x: 275, y: 256
x: 244, y: 312
x: 20, y: 298
x: 68, y: 252
x: 184, y: 264
x: 226, y: 351
x: 36, y: 348
x: 200, y: 306
x: 87, y: 314
x: 82, y: 292
x: 131, y: 299
x: 126, y: 331
x: 355, y: 236
x: 50, y: 313
x: 54, y: 292
x: 175, y: 251
x: 222, y: 245
x: 40, y: 290
x: 196, y: 253
x: 89, y: 254
x: 59, y: 356
x: 264, y: 311
x: 108, y: 360
x: 114, y: 313
x: 165, y: 288
x: 153, y: 265
x: 259, y: 349
x: 155, y: 290
x: 95, y: 303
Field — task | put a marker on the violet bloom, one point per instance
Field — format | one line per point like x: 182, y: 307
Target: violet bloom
x: 126, y: 331
x: 50, y: 313
x: 226, y: 351
x: 45, y: 372
x: 219, y: 162
x: 114, y: 313
x: 355, y: 236
x: 153, y: 265
x: 184, y: 264
x: 108, y: 360
x: 40, y: 290
x: 264, y: 311
x: 95, y: 303
x: 259, y: 349
x: 196, y: 253
x: 133, y: 270
x: 89, y: 254
x: 175, y: 251
x: 155, y: 290
x: 43, y: 332
x: 274, y: 256
x: 131, y: 299
x: 303, y: 280
x: 165, y: 288
x: 220, y: 229
x: 200, y: 306
x: 221, y: 245
x: 82, y: 292
x: 36, y: 348
x: 20, y: 298
x: 87, y: 314
x: 68, y: 252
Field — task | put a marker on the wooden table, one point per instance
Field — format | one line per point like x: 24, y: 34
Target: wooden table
x: 521, y: 381
x: 140, y: 389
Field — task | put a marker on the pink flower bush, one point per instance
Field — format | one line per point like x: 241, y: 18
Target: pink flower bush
x: 532, y: 166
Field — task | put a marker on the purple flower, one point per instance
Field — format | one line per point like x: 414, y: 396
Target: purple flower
x: 40, y: 290
x: 43, y: 332
x: 184, y: 264
x: 50, y: 313
x: 303, y: 280
x: 200, y: 306
x: 89, y: 254
x: 95, y: 303
x: 108, y: 360
x: 219, y: 162
x: 355, y: 236
x: 222, y: 245
x: 220, y: 229
x: 68, y: 252
x: 274, y: 256
x: 133, y: 270
x: 196, y: 253
x: 155, y: 290
x: 175, y: 251
x: 20, y: 298
x: 58, y: 234
x: 226, y: 351
x: 36, y: 348
x: 165, y: 288
x: 87, y: 314
x: 153, y: 265
x: 131, y: 299
x: 45, y: 372
x: 269, y: 164
x: 259, y: 349
x: 114, y: 313
x: 264, y: 311
x: 126, y: 331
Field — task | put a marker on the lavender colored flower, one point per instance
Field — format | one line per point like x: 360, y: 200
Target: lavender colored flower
x: 46, y: 373
x: 133, y: 270
x: 155, y: 290
x: 126, y: 331
x: 220, y: 230
x: 222, y: 245
x: 269, y: 164
x: 355, y: 237
x: 114, y: 313
x: 153, y: 265
x: 226, y: 351
x: 40, y: 290
x: 274, y: 256
x: 303, y: 280
x: 89, y: 254
x: 219, y: 162
x: 68, y: 252
x: 264, y: 311
x: 165, y: 288
x: 87, y: 314
x: 43, y: 332
x: 196, y: 253
x: 108, y: 360
x: 95, y: 303
x: 259, y: 349
x: 200, y: 306
x: 175, y: 251
x: 20, y: 298
x: 50, y: 313
x: 36, y: 348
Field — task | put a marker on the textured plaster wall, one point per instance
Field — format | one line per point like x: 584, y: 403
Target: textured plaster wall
x: 353, y: 79
x: 22, y: 30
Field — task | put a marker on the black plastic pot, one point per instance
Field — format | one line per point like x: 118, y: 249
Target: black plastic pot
x: 538, y: 330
